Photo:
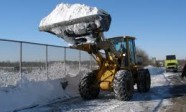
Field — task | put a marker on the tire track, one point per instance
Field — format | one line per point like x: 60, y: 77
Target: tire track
x: 174, y: 78
x: 177, y: 90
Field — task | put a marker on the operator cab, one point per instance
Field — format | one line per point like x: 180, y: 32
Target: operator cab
x: 125, y: 45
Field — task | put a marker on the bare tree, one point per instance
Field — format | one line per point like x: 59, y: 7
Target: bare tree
x: 141, y: 53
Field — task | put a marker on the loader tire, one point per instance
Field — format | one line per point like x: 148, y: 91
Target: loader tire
x: 143, y: 81
x: 123, y: 85
x: 88, y: 88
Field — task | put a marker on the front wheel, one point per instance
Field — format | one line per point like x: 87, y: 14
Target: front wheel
x: 88, y: 88
x: 123, y: 85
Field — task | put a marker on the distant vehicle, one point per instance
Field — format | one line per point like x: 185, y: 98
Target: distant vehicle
x: 171, y: 63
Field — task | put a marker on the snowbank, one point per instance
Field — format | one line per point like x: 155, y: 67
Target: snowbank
x: 10, y: 78
x: 30, y: 94
x: 36, y: 89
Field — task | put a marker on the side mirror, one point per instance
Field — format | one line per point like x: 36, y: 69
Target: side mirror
x: 139, y: 60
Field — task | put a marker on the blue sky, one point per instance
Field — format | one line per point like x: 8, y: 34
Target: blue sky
x: 158, y: 25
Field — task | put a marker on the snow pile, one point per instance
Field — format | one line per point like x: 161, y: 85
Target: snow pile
x: 66, y: 12
x: 9, y: 78
x: 36, y: 89
x: 56, y: 71
x: 30, y: 94
x: 155, y: 70
x: 75, y: 23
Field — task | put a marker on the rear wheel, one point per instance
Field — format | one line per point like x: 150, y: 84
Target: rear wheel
x: 88, y: 88
x: 144, y: 80
x: 123, y: 85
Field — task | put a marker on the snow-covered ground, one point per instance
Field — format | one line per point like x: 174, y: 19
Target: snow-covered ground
x: 156, y: 99
x: 49, y: 95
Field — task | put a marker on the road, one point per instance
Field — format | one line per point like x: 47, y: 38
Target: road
x: 177, y: 90
x: 167, y: 94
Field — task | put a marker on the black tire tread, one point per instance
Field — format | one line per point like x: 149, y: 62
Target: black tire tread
x: 144, y: 80
x: 87, y: 88
x: 119, y: 85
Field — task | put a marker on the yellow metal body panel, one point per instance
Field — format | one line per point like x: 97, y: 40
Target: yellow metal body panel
x: 106, y: 76
x: 105, y: 85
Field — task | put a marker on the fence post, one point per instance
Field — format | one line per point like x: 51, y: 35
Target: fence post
x: 79, y: 61
x: 20, y: 63
x: 65, y: 60
x: 47, y: 61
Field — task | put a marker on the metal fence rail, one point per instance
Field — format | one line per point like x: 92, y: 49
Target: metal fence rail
x: 21, y: 58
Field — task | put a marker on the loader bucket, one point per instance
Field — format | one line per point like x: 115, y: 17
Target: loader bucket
x: 77, y: 30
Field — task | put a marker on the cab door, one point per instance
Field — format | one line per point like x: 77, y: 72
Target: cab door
x: 131, y: 51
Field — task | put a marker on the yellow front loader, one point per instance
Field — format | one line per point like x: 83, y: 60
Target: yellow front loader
x: 116, y: 57
x: 118, y: 70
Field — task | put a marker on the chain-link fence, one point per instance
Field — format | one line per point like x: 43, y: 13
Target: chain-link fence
x: 25, y: 61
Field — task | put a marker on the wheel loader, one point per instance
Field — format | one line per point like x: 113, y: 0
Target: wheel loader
x: 118, y: 71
